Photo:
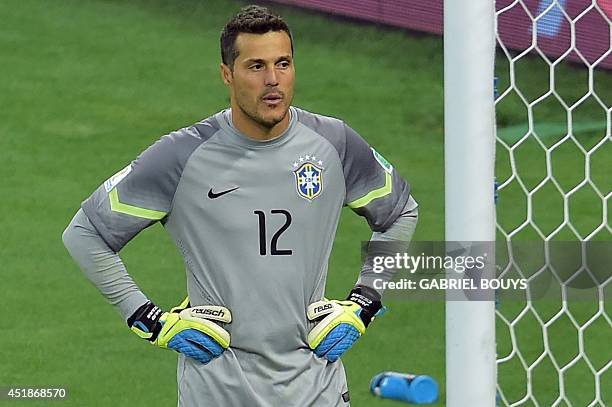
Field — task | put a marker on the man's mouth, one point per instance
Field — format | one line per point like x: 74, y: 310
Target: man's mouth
x: 273, y: 99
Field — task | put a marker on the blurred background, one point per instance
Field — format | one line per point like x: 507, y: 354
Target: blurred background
x: 86, y: 85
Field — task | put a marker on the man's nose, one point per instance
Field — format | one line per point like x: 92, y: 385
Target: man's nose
x: 271, y: 77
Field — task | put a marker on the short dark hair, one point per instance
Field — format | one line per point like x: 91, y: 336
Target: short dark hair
x: 252, y: 20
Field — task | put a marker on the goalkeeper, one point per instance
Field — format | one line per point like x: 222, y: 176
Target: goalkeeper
x: 251, y: 196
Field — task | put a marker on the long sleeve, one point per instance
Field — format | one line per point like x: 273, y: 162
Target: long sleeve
x: 398, y: 236
x: 102, y: 266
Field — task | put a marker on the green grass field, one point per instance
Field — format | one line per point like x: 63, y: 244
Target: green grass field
x: 87, y: 85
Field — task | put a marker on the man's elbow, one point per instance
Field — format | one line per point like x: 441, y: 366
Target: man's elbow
x: 68, y: 236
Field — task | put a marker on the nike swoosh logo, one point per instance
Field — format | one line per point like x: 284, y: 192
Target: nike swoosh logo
x: 213, y: 195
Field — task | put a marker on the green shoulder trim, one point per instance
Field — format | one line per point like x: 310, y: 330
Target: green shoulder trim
x: 372, y: 195
x: 117, y: 206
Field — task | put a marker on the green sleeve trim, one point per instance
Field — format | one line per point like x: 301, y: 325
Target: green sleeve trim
x: 117, y: 206
x: 372, y: 195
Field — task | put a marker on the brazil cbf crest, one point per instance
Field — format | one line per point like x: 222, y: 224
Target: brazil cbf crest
x: 308, y: 173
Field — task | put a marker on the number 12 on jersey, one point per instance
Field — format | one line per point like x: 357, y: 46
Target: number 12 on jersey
x: 263, y: 242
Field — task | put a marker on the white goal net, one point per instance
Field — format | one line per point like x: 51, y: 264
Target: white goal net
x: 554, y: 176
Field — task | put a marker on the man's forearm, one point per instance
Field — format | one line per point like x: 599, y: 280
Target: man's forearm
x: 398, y: 236
x: 102, y: 266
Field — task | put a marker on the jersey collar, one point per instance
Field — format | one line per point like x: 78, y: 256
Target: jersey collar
x: 225, y: 121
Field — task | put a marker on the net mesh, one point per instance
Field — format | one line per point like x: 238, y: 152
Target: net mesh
x: 554, y: 177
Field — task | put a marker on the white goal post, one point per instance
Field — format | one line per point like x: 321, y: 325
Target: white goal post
x: 469, y: 142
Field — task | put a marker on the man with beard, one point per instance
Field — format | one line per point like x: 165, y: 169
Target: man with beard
x: 252, y: 197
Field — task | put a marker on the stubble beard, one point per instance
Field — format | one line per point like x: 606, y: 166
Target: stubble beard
x: 254, y: 115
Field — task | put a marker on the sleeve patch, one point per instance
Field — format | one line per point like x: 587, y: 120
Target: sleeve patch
x: 112, y: 182
x: 382, y: 161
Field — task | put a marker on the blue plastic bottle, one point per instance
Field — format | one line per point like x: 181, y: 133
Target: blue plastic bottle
x: 405, y: 387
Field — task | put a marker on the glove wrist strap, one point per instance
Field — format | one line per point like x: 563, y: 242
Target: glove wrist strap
x: 369, y: 301
x: 146, y: 319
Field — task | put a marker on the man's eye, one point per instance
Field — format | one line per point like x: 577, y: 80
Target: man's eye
x: 256, y: 67
x: 283, y: 64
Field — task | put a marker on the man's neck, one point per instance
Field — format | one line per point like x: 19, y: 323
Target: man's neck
x: 256, y: 131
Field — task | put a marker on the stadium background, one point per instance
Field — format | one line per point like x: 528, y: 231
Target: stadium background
x: 87, y: 85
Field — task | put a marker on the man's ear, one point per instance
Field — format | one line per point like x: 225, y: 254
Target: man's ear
x: 226, y: 74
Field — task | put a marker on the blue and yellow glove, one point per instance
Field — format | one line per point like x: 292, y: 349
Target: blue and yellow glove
x: 341, y: 323
x: 187, y: 330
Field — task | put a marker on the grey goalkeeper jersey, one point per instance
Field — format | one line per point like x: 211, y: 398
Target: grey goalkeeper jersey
x: 254, y: 222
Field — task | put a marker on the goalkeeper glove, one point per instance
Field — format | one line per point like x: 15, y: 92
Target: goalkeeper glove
x: 187, y: 330
x: 341, y: 323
